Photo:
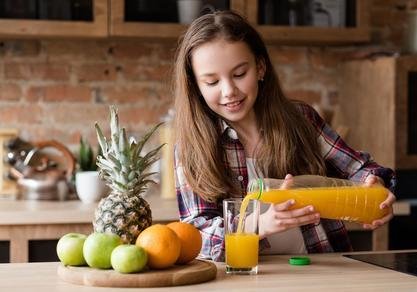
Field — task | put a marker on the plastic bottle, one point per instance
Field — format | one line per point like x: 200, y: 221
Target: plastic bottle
x: 332, y: 198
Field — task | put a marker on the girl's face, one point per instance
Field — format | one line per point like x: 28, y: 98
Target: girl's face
x: 227, y: 76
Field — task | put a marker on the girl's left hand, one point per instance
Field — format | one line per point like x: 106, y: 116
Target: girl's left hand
x: 387, y: 204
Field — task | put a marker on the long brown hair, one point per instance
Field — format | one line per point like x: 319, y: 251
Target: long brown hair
x: 289, y: 142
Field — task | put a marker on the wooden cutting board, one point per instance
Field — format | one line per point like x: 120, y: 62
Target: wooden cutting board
x: 197, y: 271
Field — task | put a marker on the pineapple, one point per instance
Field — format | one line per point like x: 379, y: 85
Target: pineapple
x: 121, y: 165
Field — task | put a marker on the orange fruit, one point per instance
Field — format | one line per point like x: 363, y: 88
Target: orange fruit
x: 161, y: 244
x: 190, y: 238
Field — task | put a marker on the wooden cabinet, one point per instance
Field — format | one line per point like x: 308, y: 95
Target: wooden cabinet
x: 119, y: 27
x: 110, y: 20
x: 306, y: 35
x: 44, y: 28
x: 379, y: 105
x: 294, y: 35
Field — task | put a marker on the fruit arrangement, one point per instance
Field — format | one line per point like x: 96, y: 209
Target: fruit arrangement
x: 123, y: 237
x: 157, y: 247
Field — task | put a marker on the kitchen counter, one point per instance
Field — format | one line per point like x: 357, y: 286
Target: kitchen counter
x: 327, y: 272
x: 22, y: 212
x: 25, y: 220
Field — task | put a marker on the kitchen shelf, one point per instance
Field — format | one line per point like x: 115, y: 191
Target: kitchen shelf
x: 312, y: 35
x: 121, y: 28
x: 109, y: 21
x: 34, y: 28
x: 291, y: 35
x: 306, y: 35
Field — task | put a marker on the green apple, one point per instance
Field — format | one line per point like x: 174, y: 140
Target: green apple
x: 70, y: 249
x: 128, y: 258
x: 98, y: 248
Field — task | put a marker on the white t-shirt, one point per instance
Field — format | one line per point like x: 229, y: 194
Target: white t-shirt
x: 288, y: 242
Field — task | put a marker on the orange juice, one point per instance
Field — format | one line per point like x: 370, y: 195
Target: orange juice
x: 241, y: 240
x: 242, y: 250
x: 350, y: 203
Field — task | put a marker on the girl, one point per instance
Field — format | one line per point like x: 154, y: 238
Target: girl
x: 234, y: 123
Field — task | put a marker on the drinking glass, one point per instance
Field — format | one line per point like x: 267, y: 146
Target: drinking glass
x: 241, y: 230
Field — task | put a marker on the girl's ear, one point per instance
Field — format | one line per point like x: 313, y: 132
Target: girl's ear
x: 261, y: 67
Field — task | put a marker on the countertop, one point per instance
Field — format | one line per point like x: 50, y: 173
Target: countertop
x: 20, y: 212
x: 327, y: 272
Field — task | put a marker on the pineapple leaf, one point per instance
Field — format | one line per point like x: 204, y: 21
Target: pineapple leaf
x: 104, y: 166
x: 101, y: 140
x: 114, y: 121
x: 134, y: 147
x: 121, y: 163
x: 106, y: 162
x: 121, y: 186
x: 149, y: 158
x: 142, y: 177
x: 123, y: 179
x: 123, y: 143
x: 146, y: 137
x: 114, y: 129
x: 116, y: 162
x: 131, y: 176
x: 153, y: 152
x: 115, y: 144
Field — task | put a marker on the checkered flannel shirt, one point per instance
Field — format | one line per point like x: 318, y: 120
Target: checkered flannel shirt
x: 326, y: 236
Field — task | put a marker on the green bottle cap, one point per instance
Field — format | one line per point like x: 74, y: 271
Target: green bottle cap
x: 299, y: 261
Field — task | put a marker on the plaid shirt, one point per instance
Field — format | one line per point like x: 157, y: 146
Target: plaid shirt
x: 326, y: 236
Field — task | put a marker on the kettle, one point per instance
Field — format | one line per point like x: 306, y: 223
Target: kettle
x: 43, y: 180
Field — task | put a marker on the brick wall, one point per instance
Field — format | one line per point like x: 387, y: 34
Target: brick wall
x: 59, y: 88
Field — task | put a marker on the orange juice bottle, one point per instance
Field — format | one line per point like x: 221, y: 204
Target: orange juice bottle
x: 332, y: 198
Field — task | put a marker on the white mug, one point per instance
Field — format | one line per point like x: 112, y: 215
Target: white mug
x: 90, y: 187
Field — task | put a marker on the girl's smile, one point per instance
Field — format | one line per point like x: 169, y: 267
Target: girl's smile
x: 234, y: 106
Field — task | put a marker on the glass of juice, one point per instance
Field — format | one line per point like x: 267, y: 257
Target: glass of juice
x: 241, y: 231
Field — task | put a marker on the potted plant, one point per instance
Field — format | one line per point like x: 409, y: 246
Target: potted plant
x: 89, y: 186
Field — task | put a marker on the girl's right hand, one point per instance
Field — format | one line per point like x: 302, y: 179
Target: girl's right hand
x: 279, y: 218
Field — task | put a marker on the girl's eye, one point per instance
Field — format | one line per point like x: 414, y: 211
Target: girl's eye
x: 212, y: 83
x: 240, y: 75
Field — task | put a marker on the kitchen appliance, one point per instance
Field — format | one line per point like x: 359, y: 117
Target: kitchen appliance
x: 405, y: 262
x: 39, y: 177
x: 7, y: 186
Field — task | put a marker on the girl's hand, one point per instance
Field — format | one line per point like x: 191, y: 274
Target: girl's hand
x: 387, y: 204
x: 279, y: 218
